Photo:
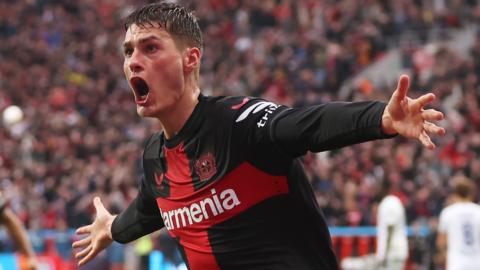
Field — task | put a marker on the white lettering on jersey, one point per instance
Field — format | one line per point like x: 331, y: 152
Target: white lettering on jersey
x: 202, y: 210
x: 268, y: 107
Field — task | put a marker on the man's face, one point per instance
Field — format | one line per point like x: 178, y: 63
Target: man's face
x: 153, y: 67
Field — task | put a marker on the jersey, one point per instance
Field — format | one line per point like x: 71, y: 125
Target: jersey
x: 461, y: 223
x: 230, y: 189
x: 391, y: 213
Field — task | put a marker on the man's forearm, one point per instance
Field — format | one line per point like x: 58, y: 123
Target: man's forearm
x: 328, y: 126
x: 18, y: 233
x: 441, y: 247
x: 132, y: 224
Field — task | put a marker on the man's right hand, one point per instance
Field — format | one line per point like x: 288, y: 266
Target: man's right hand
x: 98, y: 237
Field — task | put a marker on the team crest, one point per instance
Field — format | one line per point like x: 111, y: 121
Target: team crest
x: 205, y: 166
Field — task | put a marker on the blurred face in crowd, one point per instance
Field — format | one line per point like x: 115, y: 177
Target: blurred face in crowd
x: 155, y: 69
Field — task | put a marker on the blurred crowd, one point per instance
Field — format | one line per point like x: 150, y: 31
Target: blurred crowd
x: 60, y: 61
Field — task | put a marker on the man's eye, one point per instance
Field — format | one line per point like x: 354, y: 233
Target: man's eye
x: 128, y: 52
x: 151, y: 48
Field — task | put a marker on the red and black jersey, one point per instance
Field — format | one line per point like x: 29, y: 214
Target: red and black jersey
x: 230, y: 189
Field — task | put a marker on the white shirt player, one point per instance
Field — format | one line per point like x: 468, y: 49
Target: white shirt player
x: 461, y: 224
x: 391, y: 213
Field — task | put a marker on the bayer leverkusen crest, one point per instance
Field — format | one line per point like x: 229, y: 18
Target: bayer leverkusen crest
x: 205, y: 166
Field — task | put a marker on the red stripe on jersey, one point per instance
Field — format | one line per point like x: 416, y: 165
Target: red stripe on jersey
x: 200, y: 259
x: 238, y: 106
x: 178, y: 171
x: 189, y: 217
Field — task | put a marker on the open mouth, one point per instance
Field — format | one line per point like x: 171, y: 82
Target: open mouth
x: 141, y: 90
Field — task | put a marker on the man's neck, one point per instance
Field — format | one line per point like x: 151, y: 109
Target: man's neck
x: 174, y: 120
x: 459, y: 199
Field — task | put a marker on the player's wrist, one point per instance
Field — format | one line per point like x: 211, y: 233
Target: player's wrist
x: 109, y: 225
x: 387, y: 124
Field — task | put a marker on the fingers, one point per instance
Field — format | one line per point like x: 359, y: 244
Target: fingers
x: 430, y: 128
x: 84, y: 229
x: 98, y: 205
x: 422, y: 101
x: 425, y: 140
x: 402, y: 87
x: 81, y: 243
x: 433, y: 129
x: 432, y: 115
x: 89, y: 257
x: 83, y: 252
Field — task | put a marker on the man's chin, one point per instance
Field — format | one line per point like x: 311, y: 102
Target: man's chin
x: 142, y: 112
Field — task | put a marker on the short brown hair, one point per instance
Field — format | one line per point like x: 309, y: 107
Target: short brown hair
x: 464, y: 188
x: 173, y: 18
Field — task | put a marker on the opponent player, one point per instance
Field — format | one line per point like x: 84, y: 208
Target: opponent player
x: 19, y: 235
x: 459, y: 229
x: 223, y: 176
x: 392, y: 242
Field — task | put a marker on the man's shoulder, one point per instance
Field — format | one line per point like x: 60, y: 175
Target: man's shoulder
x: 243, y: 109
x: 475, y: 208
x: 152, y: 145
x: 453, y: 210
x: 391, y: 201
x: 449, y: 207
x: 233, y: 108
x: 232, y: 103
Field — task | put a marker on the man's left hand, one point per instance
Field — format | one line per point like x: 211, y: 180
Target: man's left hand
x: 407, y: 117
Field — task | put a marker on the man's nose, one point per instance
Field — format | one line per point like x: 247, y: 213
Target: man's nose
x: 135, y: 63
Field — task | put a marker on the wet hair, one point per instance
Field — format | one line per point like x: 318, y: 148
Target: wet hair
x: 464, y: 188
x: 173, y: 18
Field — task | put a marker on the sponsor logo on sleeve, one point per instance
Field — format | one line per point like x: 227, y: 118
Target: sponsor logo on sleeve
x: 266, y: 107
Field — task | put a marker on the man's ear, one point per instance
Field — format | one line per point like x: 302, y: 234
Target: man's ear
x: 191, y: 58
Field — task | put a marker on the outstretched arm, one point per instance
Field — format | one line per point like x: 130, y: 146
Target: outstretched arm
x: 337, y: 124
x: 20, y: 237
x: 407, y: 116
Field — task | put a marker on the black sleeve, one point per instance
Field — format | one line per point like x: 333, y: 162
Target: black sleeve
x: 326, y: 127
x: 141, y: 217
